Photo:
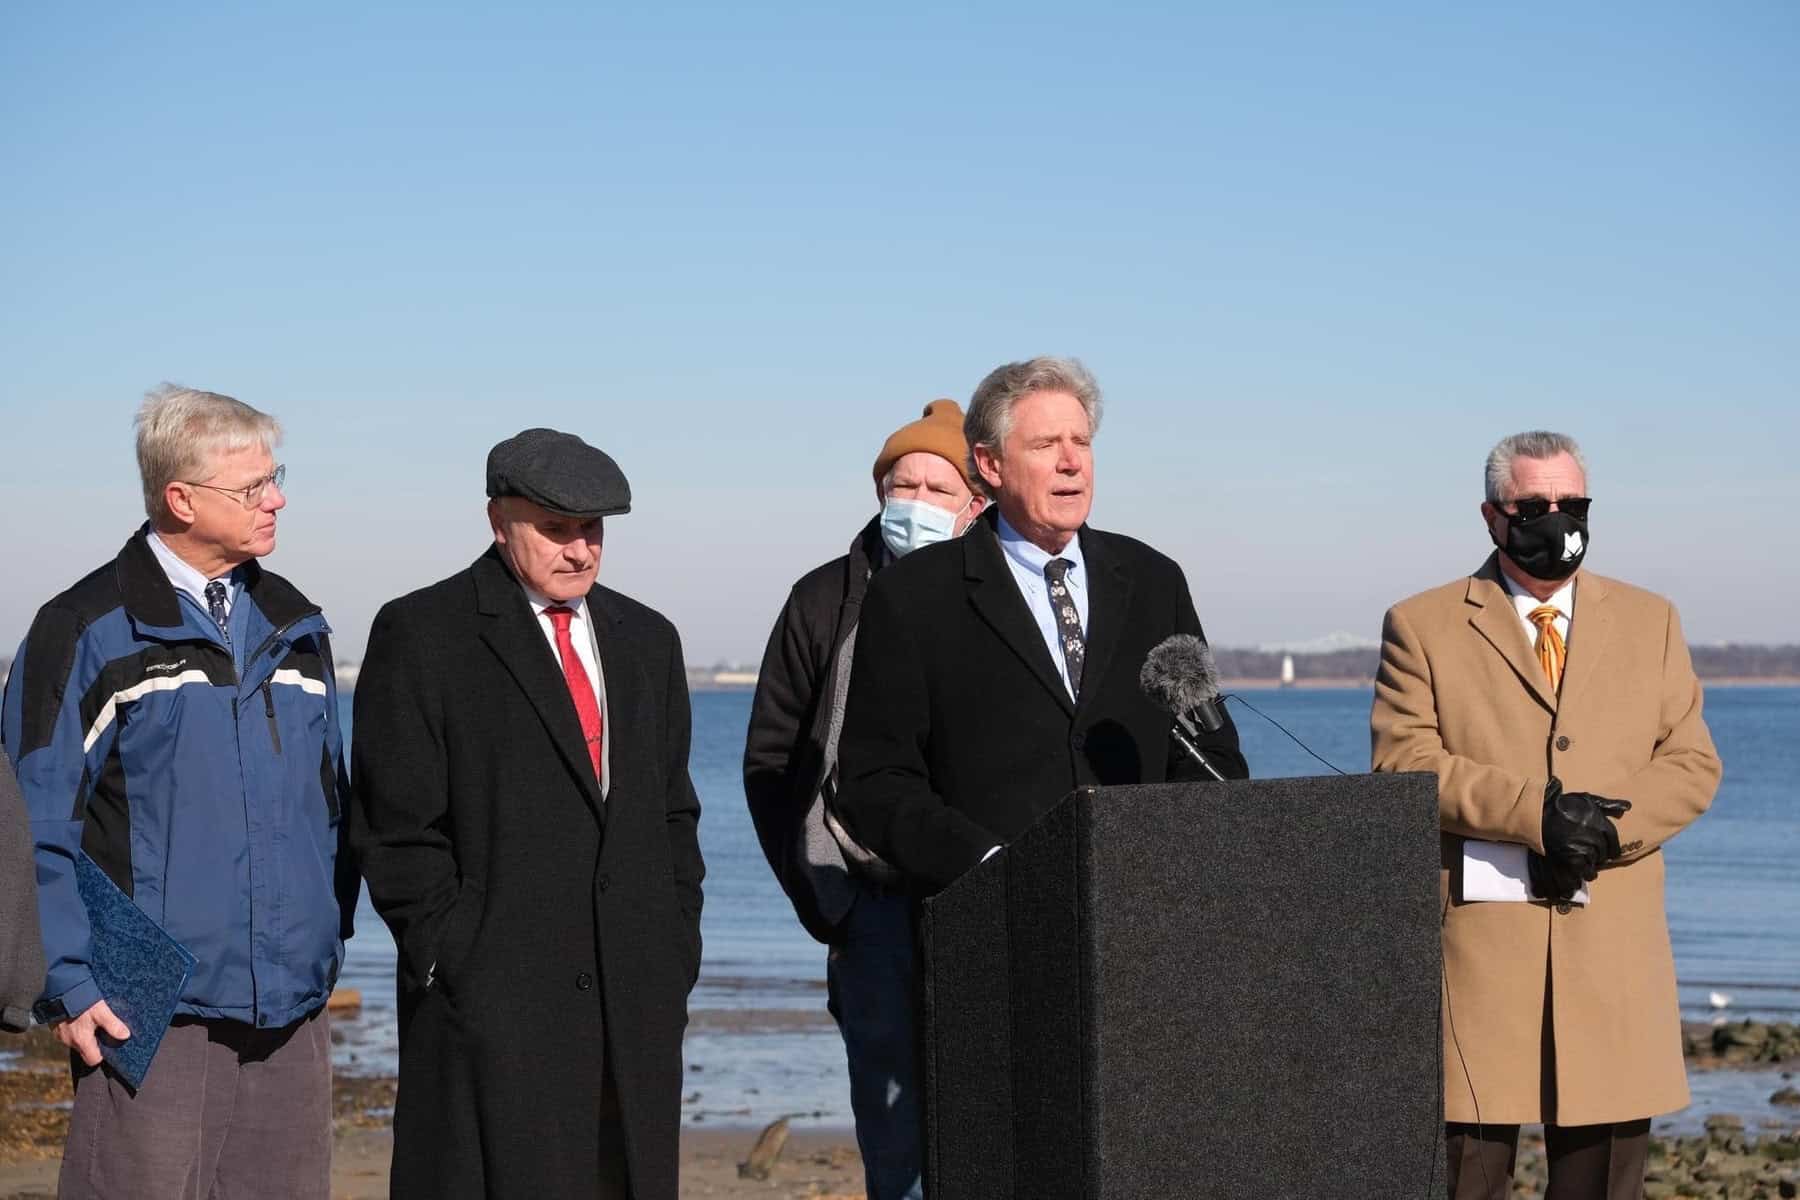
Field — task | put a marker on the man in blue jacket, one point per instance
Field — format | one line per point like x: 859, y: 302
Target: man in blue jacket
x: 173, y: 716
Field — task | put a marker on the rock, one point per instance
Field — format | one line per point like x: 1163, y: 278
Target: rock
x: 1725, y: 1131
x: 1742, y: 1033
x: 769, y: 1145
x: 1787, y: 1097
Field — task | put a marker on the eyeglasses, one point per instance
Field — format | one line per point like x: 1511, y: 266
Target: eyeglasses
x: 1530, y: 508
x: 250, y: 496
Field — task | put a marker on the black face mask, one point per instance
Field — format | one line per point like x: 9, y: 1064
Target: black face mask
x: 1549, y: 547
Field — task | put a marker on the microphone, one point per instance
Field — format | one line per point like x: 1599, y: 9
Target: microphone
x: 1180, y: 677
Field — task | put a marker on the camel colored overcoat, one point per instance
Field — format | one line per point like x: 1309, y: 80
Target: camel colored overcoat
x: 1565, y: 1014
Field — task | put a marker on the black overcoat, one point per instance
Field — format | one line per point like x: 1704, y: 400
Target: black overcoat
x: 959, y: 732
x: 544, y: 935
x: 790, y: 721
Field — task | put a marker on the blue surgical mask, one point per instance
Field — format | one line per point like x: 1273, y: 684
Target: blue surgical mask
x: 907, y: 525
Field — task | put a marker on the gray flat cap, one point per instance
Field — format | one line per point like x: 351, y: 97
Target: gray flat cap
x: 560, y: 472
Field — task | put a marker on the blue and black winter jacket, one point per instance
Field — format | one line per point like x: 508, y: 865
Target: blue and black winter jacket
x: 215, y: 800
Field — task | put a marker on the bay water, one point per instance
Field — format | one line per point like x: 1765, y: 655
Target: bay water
x: 761, y: 1045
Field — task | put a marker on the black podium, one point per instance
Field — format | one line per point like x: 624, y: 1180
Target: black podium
x: 1193, y: 990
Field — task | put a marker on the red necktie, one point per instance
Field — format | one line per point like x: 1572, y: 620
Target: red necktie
x: 581, y: 690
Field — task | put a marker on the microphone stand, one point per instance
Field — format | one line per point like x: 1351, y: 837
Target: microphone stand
x: 1193, y: 751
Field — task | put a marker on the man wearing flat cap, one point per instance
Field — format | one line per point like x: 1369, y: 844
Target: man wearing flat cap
x: 843, y: 895
x: 528, y: 831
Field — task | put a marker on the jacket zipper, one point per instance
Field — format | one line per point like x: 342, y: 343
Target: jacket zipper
x: 275, y: 735
x: 270, y: 640
x: 269, y: 710
x: 268, y: 693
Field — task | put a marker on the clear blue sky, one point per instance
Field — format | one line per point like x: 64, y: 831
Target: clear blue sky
x: 1320, y: 257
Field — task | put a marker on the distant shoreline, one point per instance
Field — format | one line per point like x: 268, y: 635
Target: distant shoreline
x: 1275, y: 685
x: 1272, y: 685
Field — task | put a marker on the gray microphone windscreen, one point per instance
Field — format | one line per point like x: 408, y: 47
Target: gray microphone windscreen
x: 1179, y: 673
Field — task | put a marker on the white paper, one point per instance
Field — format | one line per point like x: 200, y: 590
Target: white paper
x: 1497, y: 871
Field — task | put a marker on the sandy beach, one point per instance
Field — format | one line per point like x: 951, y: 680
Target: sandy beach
x: 1754, y: 1154
x: 814, y: 1165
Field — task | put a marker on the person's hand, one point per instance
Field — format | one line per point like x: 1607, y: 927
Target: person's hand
x: 78, y: 1033
x: 1578, y: 828
x: 1550, y: 880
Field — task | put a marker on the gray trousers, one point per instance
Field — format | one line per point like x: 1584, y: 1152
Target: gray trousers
x: 227, y: 1111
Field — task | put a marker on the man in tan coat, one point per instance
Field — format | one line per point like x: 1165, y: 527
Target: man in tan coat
x: 1561, y: 716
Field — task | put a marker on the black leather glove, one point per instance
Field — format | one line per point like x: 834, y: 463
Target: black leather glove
x: 1578, y: 828
x: 1552, y: 881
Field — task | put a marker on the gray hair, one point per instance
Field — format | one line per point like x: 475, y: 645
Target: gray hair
x: 990, y: 409
x: 180, y: 430
x: 1535, y: 443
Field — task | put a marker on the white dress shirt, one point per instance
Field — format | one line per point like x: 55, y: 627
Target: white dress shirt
x: 190, y: 582
x: 1027, y: 560
x: 587, y: 649
x: 1563, y: 598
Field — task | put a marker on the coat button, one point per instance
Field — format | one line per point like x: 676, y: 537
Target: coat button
x: 604, y: 882
x: 1562, y: 908
x: 1562, y: 743
x: 583, y: 982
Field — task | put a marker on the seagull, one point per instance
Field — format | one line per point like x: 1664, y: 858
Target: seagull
x: 1719, y: 999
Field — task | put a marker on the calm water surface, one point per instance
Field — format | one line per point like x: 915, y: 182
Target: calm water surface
x: 760, y: 1043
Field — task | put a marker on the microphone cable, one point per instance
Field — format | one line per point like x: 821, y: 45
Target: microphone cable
x: 1444, y: 970
x: 1468, y: 1079
x: 1277, y: 724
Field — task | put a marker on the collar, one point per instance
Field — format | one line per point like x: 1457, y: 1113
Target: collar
x: 868, y: 553
x: 181, y: 573
x: 1562, y: 599
x: 539, y: 602
x: 1033, y: 557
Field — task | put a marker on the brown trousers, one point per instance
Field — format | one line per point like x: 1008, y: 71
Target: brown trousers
x: 1587, y: 1162
x: 227, y: 1111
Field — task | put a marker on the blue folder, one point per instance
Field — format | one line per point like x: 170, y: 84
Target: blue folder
x: 139, y: 969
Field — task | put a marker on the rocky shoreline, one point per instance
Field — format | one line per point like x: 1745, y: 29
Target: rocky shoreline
x: 1726, y: 1160
x: 1741, y: 1044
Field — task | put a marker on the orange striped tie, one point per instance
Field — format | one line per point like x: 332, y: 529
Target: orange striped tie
x: 1550, y: 650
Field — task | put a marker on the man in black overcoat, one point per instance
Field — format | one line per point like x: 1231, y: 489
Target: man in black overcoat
x: 528, y: 831
x: 995, y: 673
x: 845, y: 897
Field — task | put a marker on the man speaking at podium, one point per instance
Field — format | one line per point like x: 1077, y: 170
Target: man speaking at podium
x: 996, y: 672
x: 1561, y: 716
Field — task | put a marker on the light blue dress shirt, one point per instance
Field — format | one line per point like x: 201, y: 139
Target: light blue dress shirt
x: 191, y: 583
x: 1027, y: 561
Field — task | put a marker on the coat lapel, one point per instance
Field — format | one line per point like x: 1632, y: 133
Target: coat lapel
x: 1590, y: 628
x: 995, y: 595
x: 625, y: 688
x: 1497, y: 621
x: 513, y: 634
x: 1109, y: 599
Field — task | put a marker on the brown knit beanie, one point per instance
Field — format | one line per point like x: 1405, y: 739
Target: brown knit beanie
x: 939, y: 432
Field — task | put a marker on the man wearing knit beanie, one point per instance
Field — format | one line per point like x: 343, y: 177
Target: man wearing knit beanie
x: 845, y: 896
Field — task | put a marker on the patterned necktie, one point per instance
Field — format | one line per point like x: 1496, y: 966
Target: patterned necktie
x: 215, y: 604
x: 1068, y: 620
x: 581, y: 690
x: 1550, y: 650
